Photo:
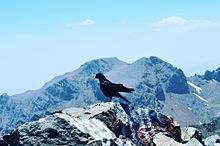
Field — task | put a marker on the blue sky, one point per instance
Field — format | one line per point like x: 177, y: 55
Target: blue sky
x: 45, y: 38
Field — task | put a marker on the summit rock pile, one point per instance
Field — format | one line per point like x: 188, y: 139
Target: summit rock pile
x: 104, y: 124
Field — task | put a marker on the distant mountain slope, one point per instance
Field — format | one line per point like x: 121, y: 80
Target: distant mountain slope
x: 209, y: 93
x: 157, y: 85
x: 211, y: 128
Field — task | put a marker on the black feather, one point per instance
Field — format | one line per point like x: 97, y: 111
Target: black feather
x: 110, y: 89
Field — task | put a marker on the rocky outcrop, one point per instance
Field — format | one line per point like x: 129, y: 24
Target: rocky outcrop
x: 74, y: 126
x: 160, y: 93
x: 215, y: 74
x: 213, y: 140
x: 100, y: 124
x: 177, y: 83
x: 163, y: 140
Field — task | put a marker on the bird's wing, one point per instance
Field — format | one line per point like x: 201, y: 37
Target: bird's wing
x: 110, y: 86
x: 108, y: 89
x: 111, y: 89
x: 122, y: 88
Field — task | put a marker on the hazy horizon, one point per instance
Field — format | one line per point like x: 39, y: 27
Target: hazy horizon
x: 43, y: 39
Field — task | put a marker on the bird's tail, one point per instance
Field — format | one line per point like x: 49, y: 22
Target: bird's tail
x: 130, y: 90
x: 125, y: 99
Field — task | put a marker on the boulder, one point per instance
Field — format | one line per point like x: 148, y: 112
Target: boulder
x: 212, y: 140
x: 187, y: 133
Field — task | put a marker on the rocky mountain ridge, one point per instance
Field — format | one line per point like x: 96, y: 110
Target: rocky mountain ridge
x: 158, y: 85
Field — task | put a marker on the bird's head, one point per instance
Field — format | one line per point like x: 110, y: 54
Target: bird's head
x: 99, y: 76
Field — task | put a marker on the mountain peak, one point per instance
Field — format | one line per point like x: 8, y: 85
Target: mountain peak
x: 154, y: 80
x: 153, y: 60
x: 4, y: 98
x: 215, y: 74
x: 4, y: 95
x: 88, y: 69
x: 109, y: 62
x: 156, y: 60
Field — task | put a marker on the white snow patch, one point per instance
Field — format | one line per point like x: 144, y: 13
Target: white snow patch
x: 198, y: 89
x: 201, y: 98
x: 94, y: 127
x: 189, y: 108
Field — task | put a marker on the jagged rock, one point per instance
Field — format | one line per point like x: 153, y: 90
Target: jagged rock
x: 108, y: 124
x: 72, y: 126
x: 192, y: 135
x: 208, y: 75
x: 4, y: 98
x: 212, y: 140
x: 1, y: 140
x: 177, y: 83
x: 215, y: 74
x: 188, y: 133
x: 193, y: 142
x: 160, y: 93
x: 163, y: 140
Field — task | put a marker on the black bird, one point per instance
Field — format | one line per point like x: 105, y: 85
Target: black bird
x: 111, y: 89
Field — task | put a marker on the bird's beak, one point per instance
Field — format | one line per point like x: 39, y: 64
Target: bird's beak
x: 94, y: 78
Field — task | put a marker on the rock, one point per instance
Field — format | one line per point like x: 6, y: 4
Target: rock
x: 4, y: 98
x: 187, y: 133
x: 215, y: 74
x: 212, y: 140
x: 193, y: 142
x: 108, y: 124
x: 177, y: 83
x: 160, y: 93
x: 70, y: 127
x: 208, y: 75
x: 1, y: 140
x: 163, y: 140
